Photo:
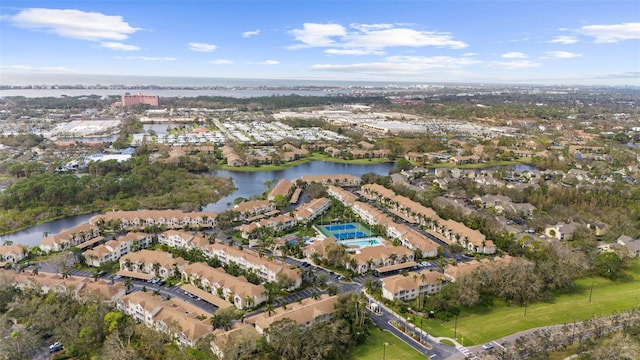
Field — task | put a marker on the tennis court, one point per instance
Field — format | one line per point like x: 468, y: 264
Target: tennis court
x: 340, y: 227
x: 345, y: 231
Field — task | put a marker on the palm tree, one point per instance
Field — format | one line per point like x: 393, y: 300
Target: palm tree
x: 127, y: 264
x: 269, y: 309
x: 128, y: 284
x: 156, y: 268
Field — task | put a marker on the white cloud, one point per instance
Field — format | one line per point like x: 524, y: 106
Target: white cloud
x: 247, y: 34
x: 564, y: 40
x: 562, y: 54
x: 516, y: 64
x: 380, y: 39
x: 220, y: 62
x: 146, y: 58
x: 315, y: 35
x: 74, y: 24
x: 369, y: 38
x: 370, y: 27
x: 119, y: 46
x: 269, y: 62
x: 612, y: 33
x: 201, y: 47
x: 400, y: 65
x: 514, y: 55
x: 51, y: 69
x: 353, y: 52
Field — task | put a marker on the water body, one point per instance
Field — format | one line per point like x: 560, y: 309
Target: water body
x: 239, y: 93
x: 247, y: 184
x: 252, y: 183
x: 33, y: 235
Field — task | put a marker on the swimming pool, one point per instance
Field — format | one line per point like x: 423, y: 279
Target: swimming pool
x: 361, y: 243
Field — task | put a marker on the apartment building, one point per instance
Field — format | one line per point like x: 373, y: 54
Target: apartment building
x: 373, y: 257
x: 69, y: 238
x: 182, y: 239
x: 13, y: 253
x: 345, y: 197
x: 113, y: 250
x: 249, y: 209
x: 337, y: 180
x: 172, y: 219
x: 412, y: 285
x: 306, y: 313
x: 159, y: 263
x: 267, y: 270
x: 215, y: 281
x: 309, y: 211
x: 79, y: 286
x: 282, y: 188
x: 140, y: 99
x: 185, y: 322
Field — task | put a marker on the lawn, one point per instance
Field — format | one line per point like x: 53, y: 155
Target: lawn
x: 374, y: 349
x: 477, y: 326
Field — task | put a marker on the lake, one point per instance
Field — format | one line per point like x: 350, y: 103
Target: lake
x: 247, y: 184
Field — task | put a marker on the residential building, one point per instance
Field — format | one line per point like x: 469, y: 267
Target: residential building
x: 183, y: 239
x: 172, y: 219
x: 306, y: 313
x: 113, y: 250
x: 69, y: 238
x: 311, y: 210
x: 248, y: 209
x: 631, y: 244
x: 185, y: 322
x: 215, y: 281
x: 373, y: 257
x: 140, y: 99
x: 270, y: 271
x: 561, y: 230
x: 78, y: 286
x: 410, y: 286
x: 13, y: 253
x: 337, y: 180
x: 159, y: 263
x: 282, y: 188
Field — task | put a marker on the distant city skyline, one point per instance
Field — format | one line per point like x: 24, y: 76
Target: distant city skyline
x: 509, y: 42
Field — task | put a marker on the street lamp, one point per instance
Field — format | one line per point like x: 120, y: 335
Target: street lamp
x: 384, y: 350
x: 455, y: 328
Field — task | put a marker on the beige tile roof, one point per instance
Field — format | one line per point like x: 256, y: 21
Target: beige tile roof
x: 396, y: 283
x: 173, y: 311
x: 238, y: 285
x: 165, y: 259
x: 307, y: 310
x: 283, y: 187
x: 80, y: 285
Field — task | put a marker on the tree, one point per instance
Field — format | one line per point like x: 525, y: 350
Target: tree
x: 286, y: 338
x: 128, y: 284
x: 608, y: 265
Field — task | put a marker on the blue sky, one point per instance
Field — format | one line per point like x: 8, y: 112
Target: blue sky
x: 515, y: 41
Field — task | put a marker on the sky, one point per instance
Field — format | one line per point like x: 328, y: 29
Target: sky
x: 431, y: 41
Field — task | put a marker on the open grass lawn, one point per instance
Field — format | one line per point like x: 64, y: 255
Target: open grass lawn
x: 374, y: 347
x: 481, y: 325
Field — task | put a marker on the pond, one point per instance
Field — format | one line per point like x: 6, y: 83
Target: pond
x: 247, y: 184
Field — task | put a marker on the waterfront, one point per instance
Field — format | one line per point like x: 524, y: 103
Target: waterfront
x: 247, y: 184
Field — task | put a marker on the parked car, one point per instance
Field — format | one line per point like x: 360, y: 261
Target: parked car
x: 55, y: 347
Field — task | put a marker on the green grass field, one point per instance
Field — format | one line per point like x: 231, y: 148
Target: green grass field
x: 374, y: 349
x: 477, y: 326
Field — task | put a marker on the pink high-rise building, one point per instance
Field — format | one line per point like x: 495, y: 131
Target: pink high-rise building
x: 139, y: 98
